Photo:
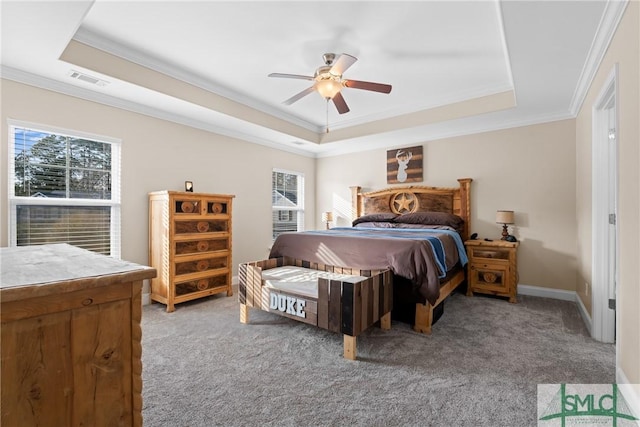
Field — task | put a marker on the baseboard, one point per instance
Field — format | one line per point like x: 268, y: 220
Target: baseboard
x: 630, y: 392
x: 538, y: 291
x: 586, y: 318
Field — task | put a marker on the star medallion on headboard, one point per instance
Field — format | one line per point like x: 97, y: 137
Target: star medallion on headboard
x: 404, y: 202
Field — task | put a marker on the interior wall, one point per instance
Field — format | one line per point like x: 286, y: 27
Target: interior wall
x: 161, y: 155
x: 624, y: 51
x: 530, y: 170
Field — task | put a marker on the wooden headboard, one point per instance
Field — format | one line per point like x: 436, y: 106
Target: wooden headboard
x: 416, y: 198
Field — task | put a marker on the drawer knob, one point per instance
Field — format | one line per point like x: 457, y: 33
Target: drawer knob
x: 203, y: 226
x: 87, y: 302
x: 202, y: 284
x: 202, y: 246
x: 489, y: 277
x: 202, y: 265
x: 187, y: 207
x: 216, y: 208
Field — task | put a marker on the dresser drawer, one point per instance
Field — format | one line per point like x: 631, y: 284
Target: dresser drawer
x: 191, y: 264
x: 203, y: 225
x: 216, y: 207
x: 187, y: 205
x: 203, y: 284
x: 201, y: 246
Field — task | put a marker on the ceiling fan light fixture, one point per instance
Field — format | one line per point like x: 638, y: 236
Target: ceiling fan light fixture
x: 328, y: 88
x: 328, y: 82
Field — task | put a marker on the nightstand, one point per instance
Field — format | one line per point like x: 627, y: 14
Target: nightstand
x: 492, y: 268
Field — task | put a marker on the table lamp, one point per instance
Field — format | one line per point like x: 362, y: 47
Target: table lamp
x: 505, y: 218
x: 327, y: 217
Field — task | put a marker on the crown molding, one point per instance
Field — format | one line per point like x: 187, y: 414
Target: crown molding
x: 314, y: 151
x: 422, y: 108
x: 613, y: 12
x: 455, y: 129
x: 94, y: 40
x: 30, y: 79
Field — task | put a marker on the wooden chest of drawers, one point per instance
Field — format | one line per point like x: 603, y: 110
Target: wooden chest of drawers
x: 190, y: 245
x: 492, y: 268
x: 71, y: 337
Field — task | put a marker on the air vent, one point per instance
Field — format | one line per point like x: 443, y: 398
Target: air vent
x: 87, y: 78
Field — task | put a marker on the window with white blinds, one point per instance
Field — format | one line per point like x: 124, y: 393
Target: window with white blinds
x: 287, y: 200
x: 64, y: 188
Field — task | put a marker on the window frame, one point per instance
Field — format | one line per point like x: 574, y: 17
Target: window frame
x: 114, y: 202
x: 299, y: 208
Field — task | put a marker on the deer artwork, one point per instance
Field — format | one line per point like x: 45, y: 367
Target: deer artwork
x: 403, y: 159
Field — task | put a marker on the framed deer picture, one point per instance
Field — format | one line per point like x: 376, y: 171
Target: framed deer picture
x: 404, y: 165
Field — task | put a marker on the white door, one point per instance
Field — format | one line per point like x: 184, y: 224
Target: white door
x: 604, y: 209
x: 612, y: 231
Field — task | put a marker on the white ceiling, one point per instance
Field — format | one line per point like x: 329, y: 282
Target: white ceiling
x: 456, y: 67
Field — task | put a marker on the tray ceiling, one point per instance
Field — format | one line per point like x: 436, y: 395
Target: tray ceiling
x: 456, y: 67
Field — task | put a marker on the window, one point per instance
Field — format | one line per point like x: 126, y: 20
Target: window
x: 64, y: 188
x: 287, y: 200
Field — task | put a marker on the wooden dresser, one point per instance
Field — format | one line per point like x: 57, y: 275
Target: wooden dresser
x: 190, y: 245
x: 71, y: 337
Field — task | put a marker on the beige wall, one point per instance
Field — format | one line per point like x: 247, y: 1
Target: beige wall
x: 529, y: 169
x: 624, y: 51
x: 158, y: 155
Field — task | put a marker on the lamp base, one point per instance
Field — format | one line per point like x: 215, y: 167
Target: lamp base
x: 505, y: 232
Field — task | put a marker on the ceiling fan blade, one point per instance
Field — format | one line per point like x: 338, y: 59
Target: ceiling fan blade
x: 297, y: 96
x: 341, y: 64
x: 339, y: 102
x: 291, y: 76
x: 376, y: 87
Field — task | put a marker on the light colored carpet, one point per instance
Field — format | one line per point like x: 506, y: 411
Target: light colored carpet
x: 480, y: 367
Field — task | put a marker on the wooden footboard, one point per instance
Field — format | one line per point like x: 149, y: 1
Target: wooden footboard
x: 347, y: 307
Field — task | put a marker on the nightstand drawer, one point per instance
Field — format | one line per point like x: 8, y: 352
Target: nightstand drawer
x: 490, y: 277
x: 481, y: 253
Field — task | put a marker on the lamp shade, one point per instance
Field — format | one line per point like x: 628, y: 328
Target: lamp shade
x: 505, y: 217
x: 327, y: 216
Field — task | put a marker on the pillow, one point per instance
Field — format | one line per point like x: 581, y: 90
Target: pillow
x: 431, y: 218
x: 379, y: 217
x: 377, y: 225
x: 420, y: 226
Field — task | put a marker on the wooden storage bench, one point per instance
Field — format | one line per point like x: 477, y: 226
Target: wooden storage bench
x: 345, y: 300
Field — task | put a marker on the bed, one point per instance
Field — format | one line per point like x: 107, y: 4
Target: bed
x: 389, y: 231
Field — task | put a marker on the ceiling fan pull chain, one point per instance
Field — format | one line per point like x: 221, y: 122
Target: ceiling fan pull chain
x: 327, y: 115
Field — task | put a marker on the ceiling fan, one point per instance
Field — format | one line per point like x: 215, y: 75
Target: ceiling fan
x: 328, y: 81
